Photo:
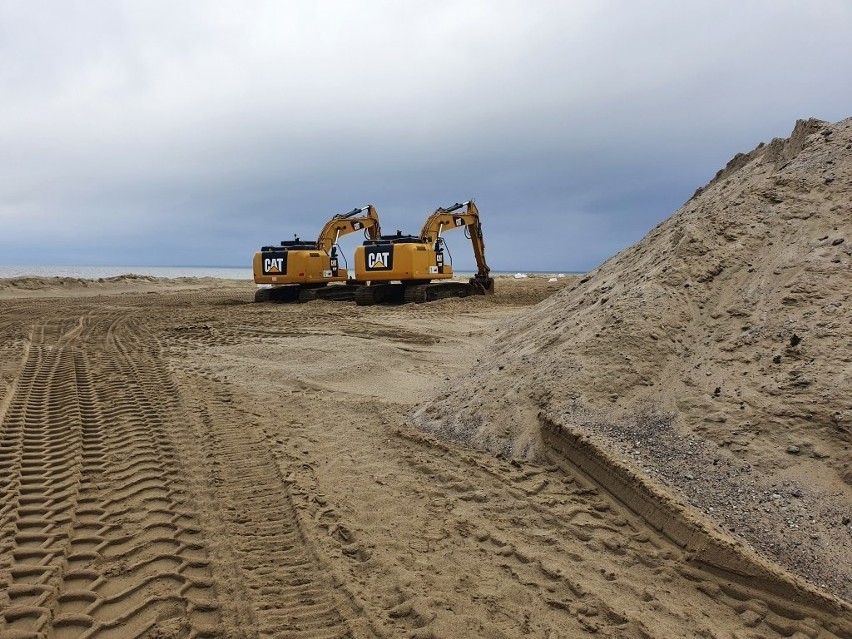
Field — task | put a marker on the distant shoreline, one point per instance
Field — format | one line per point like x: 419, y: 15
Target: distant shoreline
x: 219, y: 272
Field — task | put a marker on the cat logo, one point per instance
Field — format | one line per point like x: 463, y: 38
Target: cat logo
x: 458, y: 221
x: 379, y: 258
x: 272, y: 265
x: 274, y: 262
x: 357, y: 225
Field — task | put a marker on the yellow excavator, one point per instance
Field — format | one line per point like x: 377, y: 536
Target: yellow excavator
x: 300, y: 271
x: 400, y: 268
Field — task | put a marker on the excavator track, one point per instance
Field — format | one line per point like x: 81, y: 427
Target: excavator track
x: 332, y: 292
x: 307, y: 295
x: 301, y: 294
x: 379, y: 294
x: 281, y: 294
x: 439, y: 291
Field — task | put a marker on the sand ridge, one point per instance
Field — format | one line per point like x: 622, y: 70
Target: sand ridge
x: 32, y: 286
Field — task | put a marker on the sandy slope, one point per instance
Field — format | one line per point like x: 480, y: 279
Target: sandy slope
x: 714, y: 356
x: 186, y: 463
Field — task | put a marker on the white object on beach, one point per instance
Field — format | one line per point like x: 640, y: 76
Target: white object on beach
x: 553, y: 279
x: 561, y: 275
x: 520, y: 276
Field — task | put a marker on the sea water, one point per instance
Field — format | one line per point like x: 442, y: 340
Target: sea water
x: 220, y: 272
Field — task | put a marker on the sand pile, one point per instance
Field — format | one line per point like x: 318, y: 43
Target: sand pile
x: 34, y: 283
x: 715, y: 355
x: 38, y: 286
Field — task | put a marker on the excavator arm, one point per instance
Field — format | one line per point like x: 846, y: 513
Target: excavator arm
x: 346, y: 223
x: 445, y: 219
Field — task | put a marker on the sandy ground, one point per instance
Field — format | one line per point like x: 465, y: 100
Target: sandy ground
x: 177, y: 461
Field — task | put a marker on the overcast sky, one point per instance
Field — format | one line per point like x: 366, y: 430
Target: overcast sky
x: 192, y: 133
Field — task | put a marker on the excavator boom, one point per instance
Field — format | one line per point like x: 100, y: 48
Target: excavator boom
x: 346, y: 223
x: 444, y: 219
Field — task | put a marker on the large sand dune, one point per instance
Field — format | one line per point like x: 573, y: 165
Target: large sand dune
x: 714, y: 357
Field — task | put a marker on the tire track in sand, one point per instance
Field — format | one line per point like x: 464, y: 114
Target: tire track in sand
x: 99, y: 537
x: 289, y: 593
x: 40, y: 443
x: 284, y: 589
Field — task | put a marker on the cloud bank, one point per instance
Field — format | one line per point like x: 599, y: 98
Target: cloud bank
x: 190, y: 134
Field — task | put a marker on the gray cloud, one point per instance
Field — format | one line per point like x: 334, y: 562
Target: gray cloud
x: 155, y: 133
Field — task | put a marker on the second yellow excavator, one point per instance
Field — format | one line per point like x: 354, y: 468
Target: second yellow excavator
x: 300, y: 271
x: 400, y: 268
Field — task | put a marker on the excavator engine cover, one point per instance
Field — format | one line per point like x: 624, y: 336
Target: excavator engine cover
x: 400, y: 257
x: 296, y: 265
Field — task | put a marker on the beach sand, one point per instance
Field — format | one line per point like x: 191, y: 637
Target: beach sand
x: 178, y: 461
